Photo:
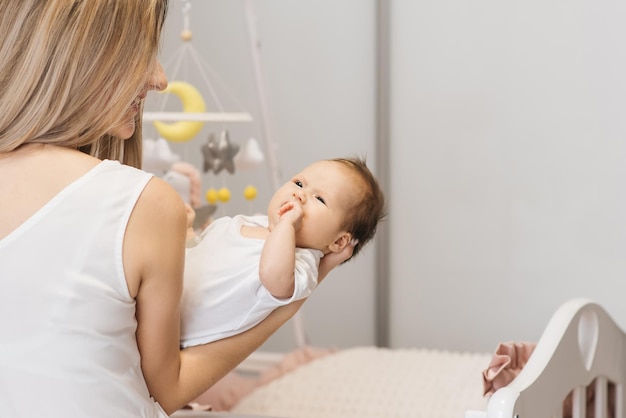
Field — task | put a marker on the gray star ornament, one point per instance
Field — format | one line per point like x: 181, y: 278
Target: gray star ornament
x: 210, y: 154
x: 227, y: 151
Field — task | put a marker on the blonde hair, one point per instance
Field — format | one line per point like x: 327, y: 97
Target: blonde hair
x: 70, y: 70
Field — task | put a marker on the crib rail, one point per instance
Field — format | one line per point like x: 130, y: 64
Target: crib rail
x: 577, y: 370
x: 597, y: 400
x: 601, y: 399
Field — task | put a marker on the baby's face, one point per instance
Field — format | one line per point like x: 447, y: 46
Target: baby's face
x: 324, y: 190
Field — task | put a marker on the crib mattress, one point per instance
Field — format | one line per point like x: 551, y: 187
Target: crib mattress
x: 209, y: 414
x: 375, y: 382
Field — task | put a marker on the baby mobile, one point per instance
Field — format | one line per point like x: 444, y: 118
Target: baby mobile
x: 219, y: 153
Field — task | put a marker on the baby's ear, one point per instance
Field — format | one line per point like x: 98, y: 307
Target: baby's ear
x: 340, y: 242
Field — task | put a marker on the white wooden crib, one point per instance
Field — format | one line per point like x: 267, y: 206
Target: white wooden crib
x: 581, y: 346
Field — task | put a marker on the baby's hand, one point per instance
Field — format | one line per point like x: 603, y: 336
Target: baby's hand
x: 291, y: 212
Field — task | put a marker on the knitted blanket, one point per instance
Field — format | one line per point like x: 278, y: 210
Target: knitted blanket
x: 366, y: 382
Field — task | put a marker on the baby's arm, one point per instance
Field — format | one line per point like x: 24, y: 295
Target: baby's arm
x: 278, y: 258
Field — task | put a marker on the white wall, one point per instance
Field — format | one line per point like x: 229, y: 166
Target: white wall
x: 319, y: 66
x: 508, y: 177
x: 506, y: 153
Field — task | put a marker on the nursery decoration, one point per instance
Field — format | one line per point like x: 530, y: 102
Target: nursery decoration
x: 194, y: 108
x: 193, y: 103
x: 219, y: 154
x: 211, y: 196
x: 184, y: 177
x: 223, y: 194
x: 249, y: 156
x: 219, y: 151
x: 201, y: 109
x: 249, y: 192
x: 157, y: 156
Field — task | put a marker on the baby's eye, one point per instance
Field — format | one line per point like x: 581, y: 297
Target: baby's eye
x: 321, y: 199
x: 297, y: 183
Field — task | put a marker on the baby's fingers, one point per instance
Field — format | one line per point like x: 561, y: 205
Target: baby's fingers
x: 286, y: 207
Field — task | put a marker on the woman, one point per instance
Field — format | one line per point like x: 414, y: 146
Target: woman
x: 91, y: 250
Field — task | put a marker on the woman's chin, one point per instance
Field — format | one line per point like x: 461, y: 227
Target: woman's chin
x: 125, y: 131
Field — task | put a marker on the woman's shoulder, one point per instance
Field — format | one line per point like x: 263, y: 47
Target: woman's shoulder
x: 160, y: 196
x: 159, y: 208
x: 155, y: 235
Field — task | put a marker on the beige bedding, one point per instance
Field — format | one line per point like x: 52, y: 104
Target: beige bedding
x: 366, y: 382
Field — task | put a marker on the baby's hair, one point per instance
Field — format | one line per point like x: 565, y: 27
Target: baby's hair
x: 369, y: 209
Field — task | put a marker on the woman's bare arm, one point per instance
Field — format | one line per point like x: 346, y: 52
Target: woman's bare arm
x: 204, y: 365
x: 154, y: 263
x: 154, y: 252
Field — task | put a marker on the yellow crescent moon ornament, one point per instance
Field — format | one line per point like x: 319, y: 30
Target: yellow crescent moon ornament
x: 193, y: 102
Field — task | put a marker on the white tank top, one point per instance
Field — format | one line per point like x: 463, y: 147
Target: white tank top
x: 67, y: 320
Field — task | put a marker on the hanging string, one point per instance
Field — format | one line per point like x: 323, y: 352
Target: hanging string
x: 300, y: 332
x: 206, y: 72
x: 186, y: 9
x: 209, y: 71
x: 194, y: 54
x: 179, y: 60
x: 176, y: 57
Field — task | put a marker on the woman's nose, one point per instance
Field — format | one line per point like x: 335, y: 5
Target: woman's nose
x: 158, y: 81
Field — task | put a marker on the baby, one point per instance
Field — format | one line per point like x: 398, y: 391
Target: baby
x: 243, y: 267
